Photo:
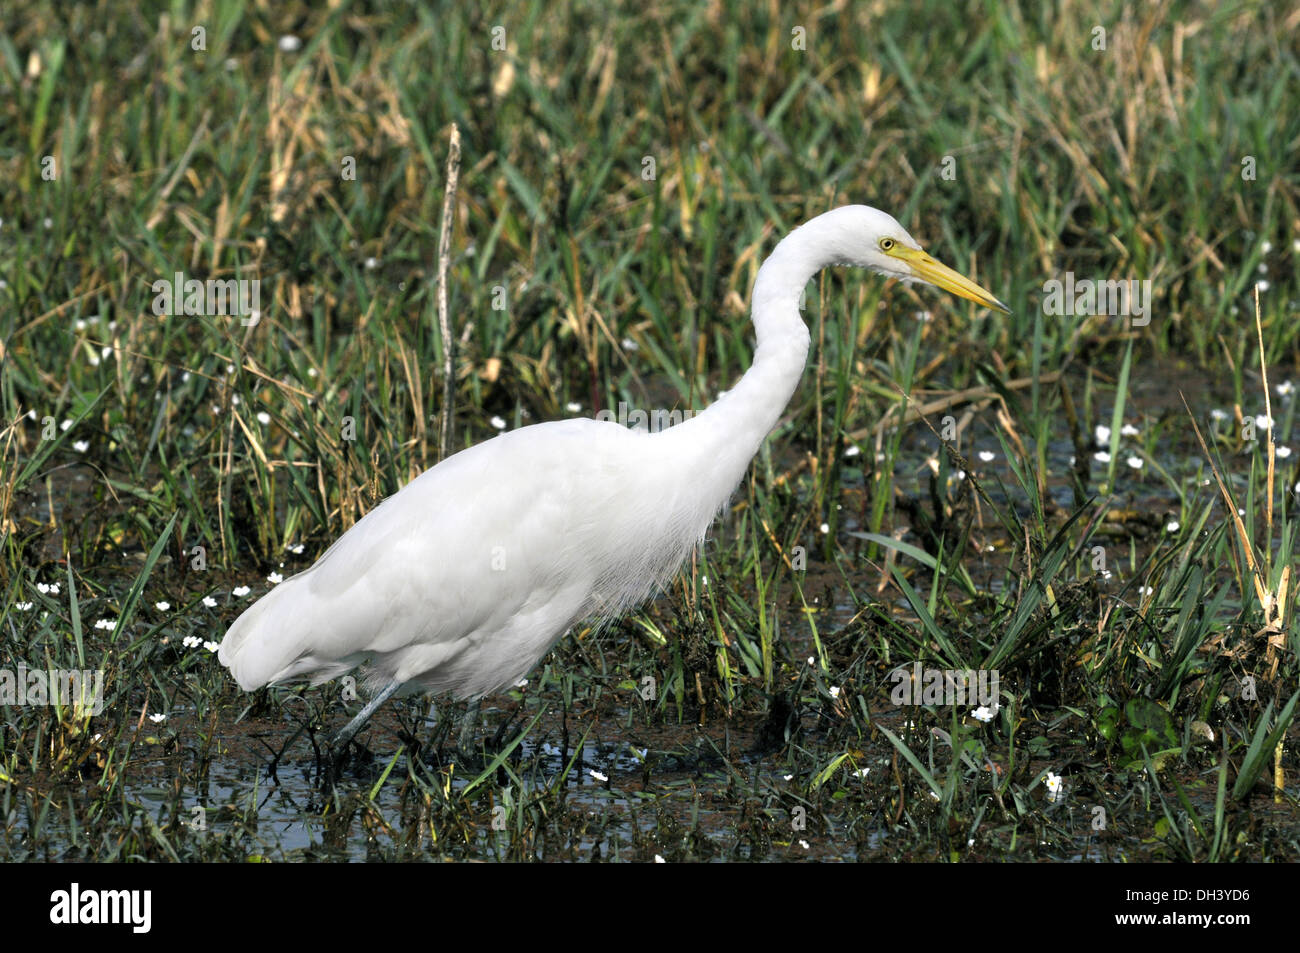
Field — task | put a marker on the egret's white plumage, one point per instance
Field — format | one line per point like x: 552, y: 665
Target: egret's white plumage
x: 463, y: 580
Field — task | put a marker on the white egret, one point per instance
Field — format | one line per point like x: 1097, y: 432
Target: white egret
x: 463, y: 580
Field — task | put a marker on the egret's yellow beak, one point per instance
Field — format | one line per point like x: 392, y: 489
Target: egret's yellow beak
x: 941, y: 276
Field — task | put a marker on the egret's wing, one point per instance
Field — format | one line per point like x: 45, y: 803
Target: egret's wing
x: 468, y: 546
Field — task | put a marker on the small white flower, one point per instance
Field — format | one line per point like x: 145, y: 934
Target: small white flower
x: 289, y: 43
x: 190, y: 641
x: 853, y: 451
x: 835, y: 691
x: 275, y: 579
x: 209, y: 602
x: 42, y: 588
x: 983, y: 713
x: 263, y: 417
x: 372, y: 264
x: 1055, y: 788
x: 597, y: 775
x: 987, y: 456
x: 1218, y: 415
x: 48, y: 223
x: 1264, y: 422
x: 23, y: 606
x: 1172, y: 526
x: 108, y: 625
x: 212, y: 646
x: 311, y: 372
x: 240, y: 591
x: 1135, y: 462
x: 659, y: 860
x: 1128, y: 430
x: 81, y: 446
x: 788, y: 777
x: 813, y: 661
x: 65, y: 425
x: 573, y: 406
x: 630, y: 345
x: 1285, y: 389
x: 1102, y: 434
x: 1101, y: 456
x: 162, y: 606
x: 804, y: 844
x: 1262, y: 285
x: 158, y: 719
x: 861, y: 772
x: 522, y: 683
x: 1145, y: 590
x: 825, y: 528
x: 498, y: 423
x: 1284, y: 452
x: 1265, y: 247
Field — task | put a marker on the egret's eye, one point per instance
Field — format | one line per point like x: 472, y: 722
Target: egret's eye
x: 886, y: 244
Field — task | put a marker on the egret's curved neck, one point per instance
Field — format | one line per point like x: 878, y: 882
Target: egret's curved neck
x: 729, y: 432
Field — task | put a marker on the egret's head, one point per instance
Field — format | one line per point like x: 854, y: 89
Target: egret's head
x: 874, y: 239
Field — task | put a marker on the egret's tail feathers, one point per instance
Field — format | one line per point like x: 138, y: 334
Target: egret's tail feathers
x: 271, y: 642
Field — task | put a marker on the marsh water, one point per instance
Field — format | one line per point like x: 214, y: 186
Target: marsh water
x: 580, y: 765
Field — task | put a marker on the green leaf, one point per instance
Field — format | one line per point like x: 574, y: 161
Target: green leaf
x: 912, y: 759
x: 1107, y: 722
x: 1261, y: 747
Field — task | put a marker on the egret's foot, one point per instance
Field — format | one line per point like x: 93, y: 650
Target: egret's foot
x: 333, y: 762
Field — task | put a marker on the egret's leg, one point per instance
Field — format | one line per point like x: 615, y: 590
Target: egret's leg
x: 468, y: 726
x: 344, y: 736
